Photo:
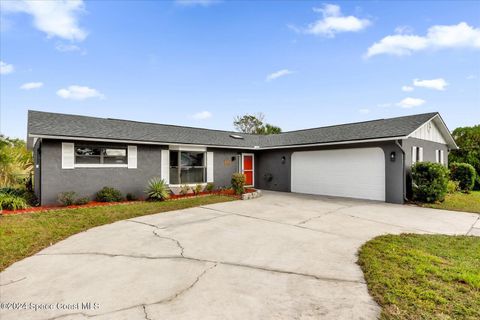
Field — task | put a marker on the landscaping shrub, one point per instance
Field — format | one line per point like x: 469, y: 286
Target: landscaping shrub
x: 238, y: 183
x: 109, y: 194
x: 452, y: 186
x: 184, y: 190
x: 29, y: 196
x: 67, y: 198
x: 198, y: 189
x: 157, y: 190
x: 429, y: 181
x: 82, y: 201
x: 131, y: 197
x: 464, y: 174
x: 12, y: 202
x: 210, y: 186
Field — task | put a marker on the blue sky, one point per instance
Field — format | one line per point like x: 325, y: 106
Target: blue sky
x: 199, y: 63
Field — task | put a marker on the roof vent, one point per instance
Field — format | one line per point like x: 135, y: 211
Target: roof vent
x: 236, y: 136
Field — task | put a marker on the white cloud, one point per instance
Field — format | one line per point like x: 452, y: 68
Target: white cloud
x: 334, y: 22
x: 407, y: 88
x: 384, y: 105
x: 191, y: 3
x: 6, y: 68
x: 471, y: 77
x: 202, y: 115
x: 278, y: 74
x: 411, y: 102
x: 436, y: 84
x: 31, y: 85
x: 364, y: 111
x: 56, y: 18
x: 403, y: 30
x: 62, y: 47
x: 438, y: 37
x: 79, y: 93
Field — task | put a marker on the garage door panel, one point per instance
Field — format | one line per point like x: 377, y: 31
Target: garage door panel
x: 355, y: 173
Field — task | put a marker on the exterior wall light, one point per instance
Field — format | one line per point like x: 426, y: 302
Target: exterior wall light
x: 283, y: 160
x: 393, y: 155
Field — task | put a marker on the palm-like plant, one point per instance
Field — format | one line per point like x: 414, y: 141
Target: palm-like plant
x: 157, y: 190
x: 16, y: 162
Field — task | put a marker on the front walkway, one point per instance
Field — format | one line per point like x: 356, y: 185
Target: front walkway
x: 282, y: 256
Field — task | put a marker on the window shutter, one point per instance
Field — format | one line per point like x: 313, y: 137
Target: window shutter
x: 209, y: 166
x: 165, y: 163
x: 437, y: 156
x: 132, y: 157
x: 442, y: 160
x: 420, y: 154
x: 68, y: 156
x: 414, y: 154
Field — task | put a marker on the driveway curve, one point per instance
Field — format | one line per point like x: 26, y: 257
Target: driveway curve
x: 281, y: 256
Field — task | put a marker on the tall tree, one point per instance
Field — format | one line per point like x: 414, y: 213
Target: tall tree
x: 249, y: 123
x: 468, y: 140
x: 253, y: 124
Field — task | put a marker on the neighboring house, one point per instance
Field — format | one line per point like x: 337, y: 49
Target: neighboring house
x: 367, y: 160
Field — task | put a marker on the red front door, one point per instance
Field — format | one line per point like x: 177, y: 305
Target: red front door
x: 248, y: 169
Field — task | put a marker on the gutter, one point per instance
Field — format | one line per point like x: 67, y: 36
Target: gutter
x: 403, y: 170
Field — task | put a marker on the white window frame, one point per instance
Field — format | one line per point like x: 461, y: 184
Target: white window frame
x: 99, y: 165
x: 253, y: 168
x: 205, y: 165
x: 417, y: 154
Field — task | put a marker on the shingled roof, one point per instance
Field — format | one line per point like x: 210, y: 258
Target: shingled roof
x: 46, y: 124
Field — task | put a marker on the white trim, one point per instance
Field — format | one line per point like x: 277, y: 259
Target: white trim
x: 178, y: 147
x: 209, y: 166
x: 253, y: 168
x: 165, y: 165
x: 442, y: 157
x: 216, y: 146
x: 437, y: 156
x: 420, y: 154
x: 332, y: 143
x: 414, y: 154
x: 68, y: 155
x: 99, y: 165
x: 132, y: 157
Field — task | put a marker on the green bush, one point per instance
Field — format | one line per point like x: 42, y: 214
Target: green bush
x: 210, y: 186
x: 157, y: 190
x: 109, y: 194
x: 29, y: 196
x: 184, y: 190
x: 429, y: 181
x: 131, y: 197
x: 464, y: 174
x: 82, y: 201
x: 198, y: 189
x: 238, y: 183
x: 12, y: 202
x: 67, y: 198
x: 452, y: 186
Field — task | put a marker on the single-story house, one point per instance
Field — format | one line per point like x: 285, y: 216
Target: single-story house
x: 367, y: 160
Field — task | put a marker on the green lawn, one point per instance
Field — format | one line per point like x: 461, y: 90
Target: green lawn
x: 25, y: 234
x: 459, y: 202
x: 423, y: 276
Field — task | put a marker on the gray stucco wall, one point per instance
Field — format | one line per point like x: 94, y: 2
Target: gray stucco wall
x: 429, y: 149
x: 225, y: 163
x: 87, y: 181
x: 269, y: 162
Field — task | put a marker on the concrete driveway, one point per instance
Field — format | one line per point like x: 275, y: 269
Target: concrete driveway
x: 282, y: 256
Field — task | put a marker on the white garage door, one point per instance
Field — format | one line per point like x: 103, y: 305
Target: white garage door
x: 353, y: 173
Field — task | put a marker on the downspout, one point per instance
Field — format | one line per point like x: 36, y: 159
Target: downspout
x: 403, y: 170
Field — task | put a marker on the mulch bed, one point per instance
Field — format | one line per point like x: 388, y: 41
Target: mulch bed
x: 227, y: 192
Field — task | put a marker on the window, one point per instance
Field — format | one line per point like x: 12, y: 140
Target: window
x: 439, y: 156
x: 187, y: 167
x: 417, y: 154
x: 89, y: 155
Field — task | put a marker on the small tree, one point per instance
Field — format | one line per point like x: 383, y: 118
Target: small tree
x: 238, y: 183
x: 249, y: 123
x: 464, y: 174
x: 429, y: 181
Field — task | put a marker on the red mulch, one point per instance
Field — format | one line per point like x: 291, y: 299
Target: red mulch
x: 227, y: 192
